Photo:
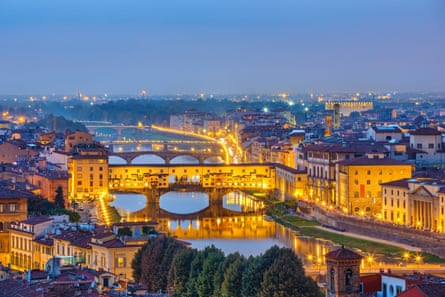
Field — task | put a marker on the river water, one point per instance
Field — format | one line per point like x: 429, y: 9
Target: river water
x: 236, y: 225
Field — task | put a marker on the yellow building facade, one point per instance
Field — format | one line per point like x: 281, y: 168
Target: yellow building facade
x: 417, y: 202
x: 88, y: 176
x: 359, y: 183
x: 240, y: 176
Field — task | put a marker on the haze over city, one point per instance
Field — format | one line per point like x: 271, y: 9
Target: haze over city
x: 189, y: 47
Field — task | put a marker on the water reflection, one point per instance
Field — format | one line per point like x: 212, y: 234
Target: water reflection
x: 242, y: 231
x: 128, y: 203
x: 184, y: 202
x: 241, y: 202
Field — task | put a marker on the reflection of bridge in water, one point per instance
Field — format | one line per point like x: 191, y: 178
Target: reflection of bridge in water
x: 153, y: 211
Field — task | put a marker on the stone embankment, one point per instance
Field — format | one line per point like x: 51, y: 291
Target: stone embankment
x: 430, y: 242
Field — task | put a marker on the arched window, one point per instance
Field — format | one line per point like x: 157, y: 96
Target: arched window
x: 348, y: 281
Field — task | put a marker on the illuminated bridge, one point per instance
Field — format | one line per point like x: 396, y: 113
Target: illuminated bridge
x: 143, y: 178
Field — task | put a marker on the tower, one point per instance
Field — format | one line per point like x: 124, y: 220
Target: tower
x: 328, y: 130
x: 337, y: 115
x: 343, y: 273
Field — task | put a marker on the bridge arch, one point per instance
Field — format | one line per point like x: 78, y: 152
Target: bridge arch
x: 116, y: 160
x: 184, y: 159
x: 153, y: 159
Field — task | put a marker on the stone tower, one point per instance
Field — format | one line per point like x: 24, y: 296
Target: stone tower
x: 343, y: 273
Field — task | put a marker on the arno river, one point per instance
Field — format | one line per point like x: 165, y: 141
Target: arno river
x: 237, y: 225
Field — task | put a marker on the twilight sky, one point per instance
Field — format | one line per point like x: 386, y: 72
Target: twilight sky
x: 229, y: 46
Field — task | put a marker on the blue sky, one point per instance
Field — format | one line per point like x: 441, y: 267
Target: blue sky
x: 231, y: 46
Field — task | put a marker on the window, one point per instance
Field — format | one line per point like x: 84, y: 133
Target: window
x: 369, y: 172
x: 348, y: 278
x: 332, y: 279
x: 12, y: 207
x: 120, y: 261
x: 356, y: 194
x: 368, y: 182
x: 419, y: 145
x: 430, y: 145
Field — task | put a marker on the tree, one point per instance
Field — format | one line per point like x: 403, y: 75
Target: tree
x: 233, y: 278
x: 286, y: 278
x: 153, y: 261
x: 220, y: 273
x: 179, y: 273
x: 59, y: 200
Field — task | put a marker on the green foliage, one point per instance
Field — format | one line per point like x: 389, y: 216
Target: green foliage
x: 285, y: 277
x: 153, y: 262
x: 180, y: 272
x: 59, y: 200
x: 39, y: 206
x: 163, y: 263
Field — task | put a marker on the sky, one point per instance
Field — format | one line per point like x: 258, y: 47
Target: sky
x: 221, y: 47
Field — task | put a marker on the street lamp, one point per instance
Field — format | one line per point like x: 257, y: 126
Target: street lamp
x: 370, y: 259
x: 418, y: 260
x: 406, y: 257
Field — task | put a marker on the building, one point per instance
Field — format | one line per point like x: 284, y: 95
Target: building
x: 21, y: 236
x: 384, y: 133
x: 75, y: 138
x: 13, y: 207
x: 321, y: 170
x: 428, y: 142
x: 359, y: 182
x: 415, y: 202
x: 10, y: 153
x: 48, y: 181
x: 343, y: 273
x: 291, y: 182
x: 88, y: 170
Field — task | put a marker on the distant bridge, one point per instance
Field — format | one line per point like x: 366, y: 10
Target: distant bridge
x: 168, y: 157
x: 118, y: 128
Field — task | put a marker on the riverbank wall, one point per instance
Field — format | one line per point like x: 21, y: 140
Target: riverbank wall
x: 430, y: 242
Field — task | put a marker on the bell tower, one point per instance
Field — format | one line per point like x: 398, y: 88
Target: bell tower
x: 343, y: 273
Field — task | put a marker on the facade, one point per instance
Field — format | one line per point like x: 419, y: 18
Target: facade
x: 13, y: 207
x: 359, y: 182
x: 76, y: 138
x: 343, y: 273
x: 417, y: 202
x: 48, y: 181
x: 429, y: 142
x: 22, y: 234
x: 290, y: 182
x: 384, y: 133
x: 321, y: 171
x: 241, y: 176
x: 10, y: 153
x: 88, y: 175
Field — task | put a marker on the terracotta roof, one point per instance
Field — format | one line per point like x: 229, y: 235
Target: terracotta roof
x: 37, y: 220
x: 6, y: 193
x: 425, y: 131
x: 342, y: 254
x: 401, y: 183
x: 371, y: 161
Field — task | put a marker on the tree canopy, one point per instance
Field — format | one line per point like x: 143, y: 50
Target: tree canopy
x: 164, y: 264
